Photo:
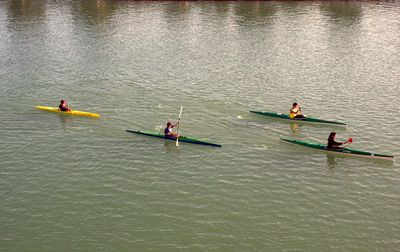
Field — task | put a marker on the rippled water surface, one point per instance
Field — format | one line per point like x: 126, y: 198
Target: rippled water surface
x: 83, y: 184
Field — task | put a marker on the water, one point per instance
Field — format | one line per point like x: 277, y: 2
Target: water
x: 81, y: 184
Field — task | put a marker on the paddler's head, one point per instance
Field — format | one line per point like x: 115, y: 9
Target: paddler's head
x: 332, y: 135
x: 295, y: 104
x: 62, y: 101
x: 169, y: 124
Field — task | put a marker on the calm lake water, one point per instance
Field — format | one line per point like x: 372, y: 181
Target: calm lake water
x: 83, y: 184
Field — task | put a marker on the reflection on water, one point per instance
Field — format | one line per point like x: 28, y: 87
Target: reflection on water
x: 294, y: 127
x: 294, y: 6
x: 221, y: 9
x: 349, y: 12
x: 65, y: 120
x: 180, y: 7
x: 95, y: 11
x: 257, y: 12
x: 171, y: 148
x: 331, y: 159
x: 29, y: 9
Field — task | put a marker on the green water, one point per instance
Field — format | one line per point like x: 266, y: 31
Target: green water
x: 83, y: 184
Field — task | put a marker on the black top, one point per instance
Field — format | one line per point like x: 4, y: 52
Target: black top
x: 62, y: 108
x: 332, y: 144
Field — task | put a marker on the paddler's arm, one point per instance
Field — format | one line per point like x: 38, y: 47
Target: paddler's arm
x: 338, y: 143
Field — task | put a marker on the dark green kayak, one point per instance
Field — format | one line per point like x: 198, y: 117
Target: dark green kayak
x: 345, y: 151
x: 286, y: 116
x: 181, y: 138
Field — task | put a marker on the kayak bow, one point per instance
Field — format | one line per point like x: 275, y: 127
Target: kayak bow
x: 181, y: 138
x: 286, y: 116
x: 72, y: 112
x: 344, y: 151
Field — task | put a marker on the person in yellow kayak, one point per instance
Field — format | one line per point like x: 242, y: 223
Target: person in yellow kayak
x: 295, y: 111
x: 168, y: 130
x: 63, y: 106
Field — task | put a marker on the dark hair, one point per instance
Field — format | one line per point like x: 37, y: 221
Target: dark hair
x: 331, y: 136
x: 62, y: 101
x: 295, y: 104
x: 168, y: 124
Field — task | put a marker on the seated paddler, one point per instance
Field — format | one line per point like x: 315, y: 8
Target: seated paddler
x: 295, y: 111
x: 332, y: 144
x: 168, y: 131
x: 63, y: 106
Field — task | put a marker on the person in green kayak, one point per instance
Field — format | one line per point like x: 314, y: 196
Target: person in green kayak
x: 332, y: 144
x: 63, y: 106
x: 168, y: 130
x: 295, y: 111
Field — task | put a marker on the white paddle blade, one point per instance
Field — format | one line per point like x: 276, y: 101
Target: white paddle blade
x: 177, y: 132
x: 180, y: 113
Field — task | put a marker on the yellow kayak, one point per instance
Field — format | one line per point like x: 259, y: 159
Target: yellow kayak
x: 72, y: 112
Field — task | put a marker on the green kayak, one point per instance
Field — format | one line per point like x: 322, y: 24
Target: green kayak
x: 181, y: 138
x: 345, y: 151
x: 286, y: 116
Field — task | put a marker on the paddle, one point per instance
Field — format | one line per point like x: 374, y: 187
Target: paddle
x: 177, y: 129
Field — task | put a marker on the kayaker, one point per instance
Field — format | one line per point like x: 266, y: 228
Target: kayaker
x: 332, y: 144
x: 295, y: 111
x: 63, y: 106
x: 168, y: 130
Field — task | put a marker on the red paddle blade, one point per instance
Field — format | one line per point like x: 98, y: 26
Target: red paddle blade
x: 350, y: 140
